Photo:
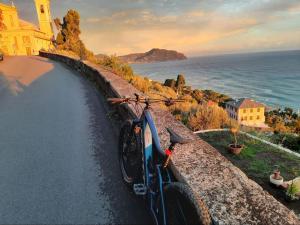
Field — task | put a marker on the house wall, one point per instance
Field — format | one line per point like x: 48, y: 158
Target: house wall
x: 251, y: 116
x: 23, y: 42
x: 232, y: 112
x: 247, y: 116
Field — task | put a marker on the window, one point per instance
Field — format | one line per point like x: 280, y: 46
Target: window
x: 258, y: 109
x: 251, y: 118
x: 251, y: 110
x: 42, y: 9
x: 245, y: 110
x: 26, y: 39
x: 258, y: 117
x: 245, y: 118
x: 16, y: 43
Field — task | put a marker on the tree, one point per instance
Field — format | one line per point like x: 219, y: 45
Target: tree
x: 69, y: 31
x: 297, y: 126
x: 58, y: 23
x: 180, y: 83
x: 288, y: 111
x: 170, y: 83
x: 60, y: 39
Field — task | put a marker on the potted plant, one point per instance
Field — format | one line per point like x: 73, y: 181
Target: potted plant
x: 235, y: 148
x: 292, y: 193
x: 275, y: 178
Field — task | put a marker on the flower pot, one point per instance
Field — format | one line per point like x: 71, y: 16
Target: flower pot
x: 235, y: 149
x: 276, y: 180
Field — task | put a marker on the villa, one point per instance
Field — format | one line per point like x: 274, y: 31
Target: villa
x: 247, y: 112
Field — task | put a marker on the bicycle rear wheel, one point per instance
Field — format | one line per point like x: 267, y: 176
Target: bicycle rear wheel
x: 183, y: 207
x: 130, y: 153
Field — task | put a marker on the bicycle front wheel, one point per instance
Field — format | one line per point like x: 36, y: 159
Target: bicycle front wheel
x: 130, y: 153
x: 183, y: 207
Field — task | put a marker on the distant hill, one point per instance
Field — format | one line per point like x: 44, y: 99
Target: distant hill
x: 101, y: 56
x: 154, y: 55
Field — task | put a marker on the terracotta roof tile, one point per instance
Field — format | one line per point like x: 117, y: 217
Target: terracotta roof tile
x: 245, y: 103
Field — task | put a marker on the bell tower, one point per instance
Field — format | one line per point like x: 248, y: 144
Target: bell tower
x: 44, y: 16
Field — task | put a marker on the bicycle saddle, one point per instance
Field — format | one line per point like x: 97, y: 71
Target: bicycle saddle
x: 176, y: 138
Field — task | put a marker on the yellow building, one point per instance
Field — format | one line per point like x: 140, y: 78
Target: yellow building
x: 247, y: 112
x: 23, y: 38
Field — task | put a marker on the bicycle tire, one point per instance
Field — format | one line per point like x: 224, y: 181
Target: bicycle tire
x: 134, y: 145
x: 184, y: 207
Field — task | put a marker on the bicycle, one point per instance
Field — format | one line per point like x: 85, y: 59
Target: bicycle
x: 144, y: 168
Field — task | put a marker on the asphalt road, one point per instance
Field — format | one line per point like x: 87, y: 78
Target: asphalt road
x: 58, y: 150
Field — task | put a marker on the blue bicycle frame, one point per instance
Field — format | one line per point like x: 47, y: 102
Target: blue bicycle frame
x: 156, y: 177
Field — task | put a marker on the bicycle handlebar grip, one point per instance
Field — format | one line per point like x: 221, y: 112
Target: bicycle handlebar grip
x: 116, y: 100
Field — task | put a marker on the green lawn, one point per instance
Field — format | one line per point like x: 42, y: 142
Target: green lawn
x: 257, y: 160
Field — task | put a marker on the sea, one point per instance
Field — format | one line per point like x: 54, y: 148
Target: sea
x: 272, y: 78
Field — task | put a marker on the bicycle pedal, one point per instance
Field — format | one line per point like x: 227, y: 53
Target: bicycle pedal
x: 139, y: 189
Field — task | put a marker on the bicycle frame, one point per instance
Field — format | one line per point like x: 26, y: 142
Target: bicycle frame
x: 154, y: 179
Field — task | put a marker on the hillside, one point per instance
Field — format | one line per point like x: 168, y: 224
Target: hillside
x: 154, y: 55
x: 100, y: 56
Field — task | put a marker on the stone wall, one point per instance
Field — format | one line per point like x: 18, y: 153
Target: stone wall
x: 230, y: 195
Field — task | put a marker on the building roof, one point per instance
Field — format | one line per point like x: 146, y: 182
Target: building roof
x: 243, y: 103
x: 6, y: 7
x: 27, y: 25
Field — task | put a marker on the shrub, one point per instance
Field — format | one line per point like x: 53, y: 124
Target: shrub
x: 170, y: 83
x: 157, y: 86
x: 292, y: 142
x: 141, y: 83
x: 198, y: 95
x: 122, y: 69
x: 208, y: 117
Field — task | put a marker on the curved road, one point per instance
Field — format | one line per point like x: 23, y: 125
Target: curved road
x: 58, y: 161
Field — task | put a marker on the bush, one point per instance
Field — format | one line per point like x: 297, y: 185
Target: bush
x: 122, y: 69
x: 198, y: 95
x: 208, y: 117
x: 292, y: 142
x: 141, y: 83
x: 157, y: 87
x: 170, y: 83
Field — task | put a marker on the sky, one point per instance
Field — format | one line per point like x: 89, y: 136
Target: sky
x: 194, y: 27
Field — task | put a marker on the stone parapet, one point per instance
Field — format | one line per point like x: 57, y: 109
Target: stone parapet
x: 231, y: 196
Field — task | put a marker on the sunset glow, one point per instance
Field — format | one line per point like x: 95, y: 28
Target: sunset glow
x: 193, y: 27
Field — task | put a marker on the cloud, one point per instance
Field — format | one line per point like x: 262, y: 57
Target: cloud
x: 192, y: 26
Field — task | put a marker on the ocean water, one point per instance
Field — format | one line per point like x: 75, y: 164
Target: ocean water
x: 272, y: 78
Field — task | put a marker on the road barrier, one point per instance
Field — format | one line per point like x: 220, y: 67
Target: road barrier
x: 231, y: 196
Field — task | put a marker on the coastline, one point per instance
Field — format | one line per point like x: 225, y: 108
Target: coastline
x: 241, y: 75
